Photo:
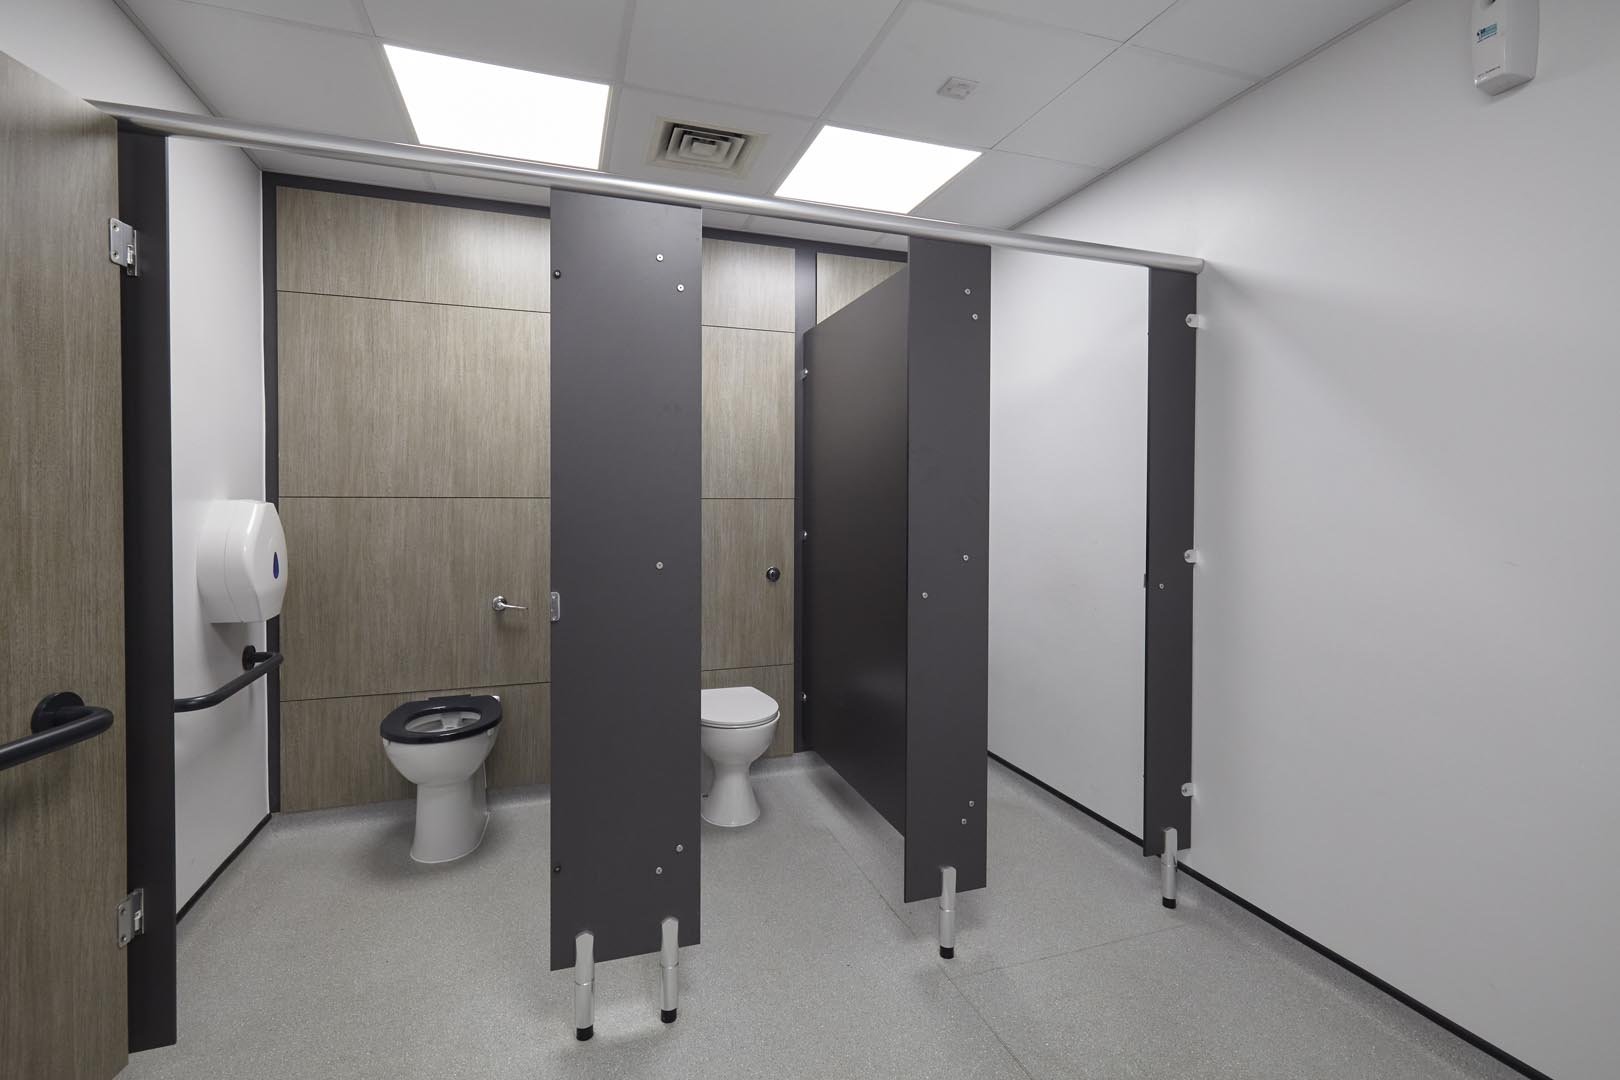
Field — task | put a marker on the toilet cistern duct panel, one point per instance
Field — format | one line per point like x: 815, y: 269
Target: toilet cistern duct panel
x: 241, y: 562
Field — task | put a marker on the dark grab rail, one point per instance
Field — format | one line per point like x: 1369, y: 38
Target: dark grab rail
x: 62, y: 719
x: 255, y: 666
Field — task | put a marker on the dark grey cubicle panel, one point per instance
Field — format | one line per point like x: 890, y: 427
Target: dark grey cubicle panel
x: 947, y: 663
x: 626, y: 431
x: 1167, y: 700
x: 854, y: 561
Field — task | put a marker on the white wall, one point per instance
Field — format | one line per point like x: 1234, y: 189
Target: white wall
x: 1068, y: 525
x: 1406, y: 621
x: 92, y: 49
x: 217, y: 397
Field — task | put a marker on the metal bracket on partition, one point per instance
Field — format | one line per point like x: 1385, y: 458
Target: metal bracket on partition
x: 1167, y: 870
x: 1196, y: 322
x: 121, y: 244
x: 584, y: 985
x: 947, y: 912
x: 669, y: 959
x: 131, y: 917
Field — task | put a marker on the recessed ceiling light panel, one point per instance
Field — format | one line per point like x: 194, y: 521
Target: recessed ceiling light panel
x: 488, y: 109
x: 872, y: 172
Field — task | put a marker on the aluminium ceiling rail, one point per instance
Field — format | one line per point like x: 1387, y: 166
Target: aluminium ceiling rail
x: 253, y: 136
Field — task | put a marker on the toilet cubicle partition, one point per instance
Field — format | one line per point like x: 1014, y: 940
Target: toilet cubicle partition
x: 626, y: 392
x: 897, y: 412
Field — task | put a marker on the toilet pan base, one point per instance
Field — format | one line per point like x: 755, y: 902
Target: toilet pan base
x: 451, y: 820
x: 731, y: 802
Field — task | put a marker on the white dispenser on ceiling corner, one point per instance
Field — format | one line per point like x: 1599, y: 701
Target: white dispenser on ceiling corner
x: 241, y: 562
x: 1507, y: 42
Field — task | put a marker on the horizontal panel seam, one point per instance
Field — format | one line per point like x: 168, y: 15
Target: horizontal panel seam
x: 756, y: 329
x: 424, y: 303
x: 426, y: 498
x: 397, y: 693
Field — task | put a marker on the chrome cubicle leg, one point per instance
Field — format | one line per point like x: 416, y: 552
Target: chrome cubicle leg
x: 1167, y: 869
x: 584, y: 984
x: 947, y: 912
x: 669, y: 959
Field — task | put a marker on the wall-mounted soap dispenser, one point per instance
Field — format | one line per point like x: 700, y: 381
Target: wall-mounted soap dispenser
x: 242, y: 562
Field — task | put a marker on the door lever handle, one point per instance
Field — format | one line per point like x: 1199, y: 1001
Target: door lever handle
x: 500, y: 604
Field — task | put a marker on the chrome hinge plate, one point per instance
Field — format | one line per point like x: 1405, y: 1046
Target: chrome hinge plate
x: 121, y: 245
x: 131, y: 917
x: 555, y: 607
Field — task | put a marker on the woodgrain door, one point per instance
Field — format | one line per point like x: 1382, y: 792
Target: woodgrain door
x: 62, y: 860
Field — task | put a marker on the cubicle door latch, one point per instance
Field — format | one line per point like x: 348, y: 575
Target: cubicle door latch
x: 555, y: 607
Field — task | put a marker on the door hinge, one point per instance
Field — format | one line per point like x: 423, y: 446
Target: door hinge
x: 121, y: 244
x: 131, y: 917
x: 556, y: 607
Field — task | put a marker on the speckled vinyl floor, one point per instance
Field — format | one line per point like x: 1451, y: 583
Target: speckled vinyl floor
x: 324, y: 952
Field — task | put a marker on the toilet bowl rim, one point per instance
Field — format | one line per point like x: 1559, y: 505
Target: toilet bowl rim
x: 487, y: 706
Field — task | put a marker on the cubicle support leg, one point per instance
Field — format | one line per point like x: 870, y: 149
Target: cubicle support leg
x: 1167, y: 869
x: 947, y: 912
x: 669, y: 958
x: 584, y: 985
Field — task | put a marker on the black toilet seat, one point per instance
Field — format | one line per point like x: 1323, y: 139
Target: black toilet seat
x: 442, y: 719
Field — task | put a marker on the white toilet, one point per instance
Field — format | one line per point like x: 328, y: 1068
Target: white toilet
x: 739, y: 723
x: 439, y: 744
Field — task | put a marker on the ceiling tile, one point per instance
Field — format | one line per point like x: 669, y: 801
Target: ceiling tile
x: 1001, y: 189
x: 1116, y: 19
x: 636, y: 119
x: 250, y: 68
x: 1018, y: 67
x: 580, y: 40
x: 334, y: 14
x: 784, y: 55
x: 1257, y: 36
x: 1125, y: 104
x: 280, y: 161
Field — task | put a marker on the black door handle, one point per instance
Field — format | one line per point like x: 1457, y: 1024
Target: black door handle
x: 772, y: 573
x: 60, y: 719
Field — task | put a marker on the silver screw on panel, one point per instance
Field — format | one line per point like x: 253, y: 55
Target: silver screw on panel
x: 660, y: 256
x: 680, y: 288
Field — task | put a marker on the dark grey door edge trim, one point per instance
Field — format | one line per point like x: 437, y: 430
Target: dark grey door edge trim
x: 148, y: 590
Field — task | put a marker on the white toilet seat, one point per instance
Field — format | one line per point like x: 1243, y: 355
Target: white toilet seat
x: 737, y: 707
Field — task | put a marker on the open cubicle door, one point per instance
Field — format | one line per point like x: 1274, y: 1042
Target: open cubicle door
x: 897, y: 511
x: 62, y: 839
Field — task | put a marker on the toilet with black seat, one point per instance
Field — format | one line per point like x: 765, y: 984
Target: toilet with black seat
x: 440, y: 745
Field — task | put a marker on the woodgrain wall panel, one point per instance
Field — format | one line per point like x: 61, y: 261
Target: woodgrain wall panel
x: 383, y: 397
x: 841, y: 279
x: 747, y: 619
x: 777, y: 681
x: 747, y: 285
x: 748, y: 422
x: 393, y: 595
x: 335, y: 755
x: 352, y: 245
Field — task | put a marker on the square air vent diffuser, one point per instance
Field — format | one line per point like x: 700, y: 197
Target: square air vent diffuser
x: 693, y: 146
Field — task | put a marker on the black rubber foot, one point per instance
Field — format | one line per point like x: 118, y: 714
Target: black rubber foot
x: 667, y: 1015
x: 584, y: 1034
x: 1167, y: 902
x: 947, y: 954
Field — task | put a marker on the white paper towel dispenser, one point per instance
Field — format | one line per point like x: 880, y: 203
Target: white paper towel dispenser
x: 241, y: 562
